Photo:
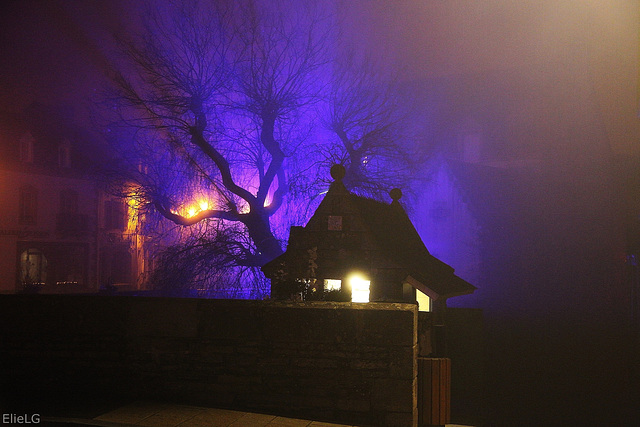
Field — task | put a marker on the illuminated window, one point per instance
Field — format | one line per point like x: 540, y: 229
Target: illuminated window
x: 424, y: 302
x: 28, y: 205
x: 359, y: 288
x: 33, y: 267
x: 332, y: 285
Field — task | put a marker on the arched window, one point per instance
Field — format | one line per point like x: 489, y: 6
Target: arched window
x: 33, y: 267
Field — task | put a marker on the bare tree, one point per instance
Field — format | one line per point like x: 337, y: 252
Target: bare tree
x: 204, y: 262
x: 372, y: 133
x: 214, y: 93
x: 216, y: 108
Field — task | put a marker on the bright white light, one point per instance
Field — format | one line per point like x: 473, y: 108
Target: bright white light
x: 194, y: 208
x: 332, y: 285
x: 359, y: 288
x: 204, y: 205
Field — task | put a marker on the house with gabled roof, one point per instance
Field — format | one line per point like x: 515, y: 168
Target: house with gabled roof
x: 357, y: 249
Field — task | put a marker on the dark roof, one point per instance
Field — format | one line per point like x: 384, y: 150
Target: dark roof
x: 395, y: 237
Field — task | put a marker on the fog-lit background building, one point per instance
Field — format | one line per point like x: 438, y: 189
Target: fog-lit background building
x: 61, y: 232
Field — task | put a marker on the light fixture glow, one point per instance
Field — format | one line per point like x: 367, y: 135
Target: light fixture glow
x: 194, y: 208
x: 359, y: 288
x: 204, y: 205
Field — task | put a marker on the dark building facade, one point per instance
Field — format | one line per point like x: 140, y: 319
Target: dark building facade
x: 361, y: 250
x: 60, y: 232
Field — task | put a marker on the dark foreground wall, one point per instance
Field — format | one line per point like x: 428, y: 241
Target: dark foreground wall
x: 342, y: 362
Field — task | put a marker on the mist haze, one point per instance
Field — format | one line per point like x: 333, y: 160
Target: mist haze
x: 533, y: 109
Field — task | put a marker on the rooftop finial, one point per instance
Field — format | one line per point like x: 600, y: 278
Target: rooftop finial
x: 395, y: 194
x: 337, y: 172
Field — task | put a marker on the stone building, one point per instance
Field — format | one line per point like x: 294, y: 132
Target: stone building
x: 59, y: 231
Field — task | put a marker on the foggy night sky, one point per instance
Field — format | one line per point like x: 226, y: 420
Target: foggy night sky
x: 431, y: 38
x: 57, y: 50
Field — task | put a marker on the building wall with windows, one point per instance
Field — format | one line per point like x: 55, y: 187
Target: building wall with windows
x: 48, y: 231
x: 59, y: 231
x: 124, y: 258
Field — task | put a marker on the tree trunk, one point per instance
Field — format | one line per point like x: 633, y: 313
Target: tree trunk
x: 257, y: 223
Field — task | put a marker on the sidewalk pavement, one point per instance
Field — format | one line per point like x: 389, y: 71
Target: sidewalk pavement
x: 168, y: 415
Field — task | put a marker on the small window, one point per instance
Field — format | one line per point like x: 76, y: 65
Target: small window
x: 114, y: 215
x: 334, y: 223
x: 142, y: 168
x: 69, y: 202
x: 28, y: 205
x: 424, y: 302
x: 332, y: 285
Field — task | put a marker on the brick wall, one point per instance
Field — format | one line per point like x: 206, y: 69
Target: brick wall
x: 340, y: 362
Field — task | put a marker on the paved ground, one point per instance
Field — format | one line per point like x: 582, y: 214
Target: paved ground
x: 157, y: 414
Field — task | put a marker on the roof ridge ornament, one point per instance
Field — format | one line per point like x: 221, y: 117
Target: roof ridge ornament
x: 395, y: 194
x: 337, y: 172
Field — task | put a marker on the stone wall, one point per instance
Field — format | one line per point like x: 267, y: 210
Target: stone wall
x: 340, y: 362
